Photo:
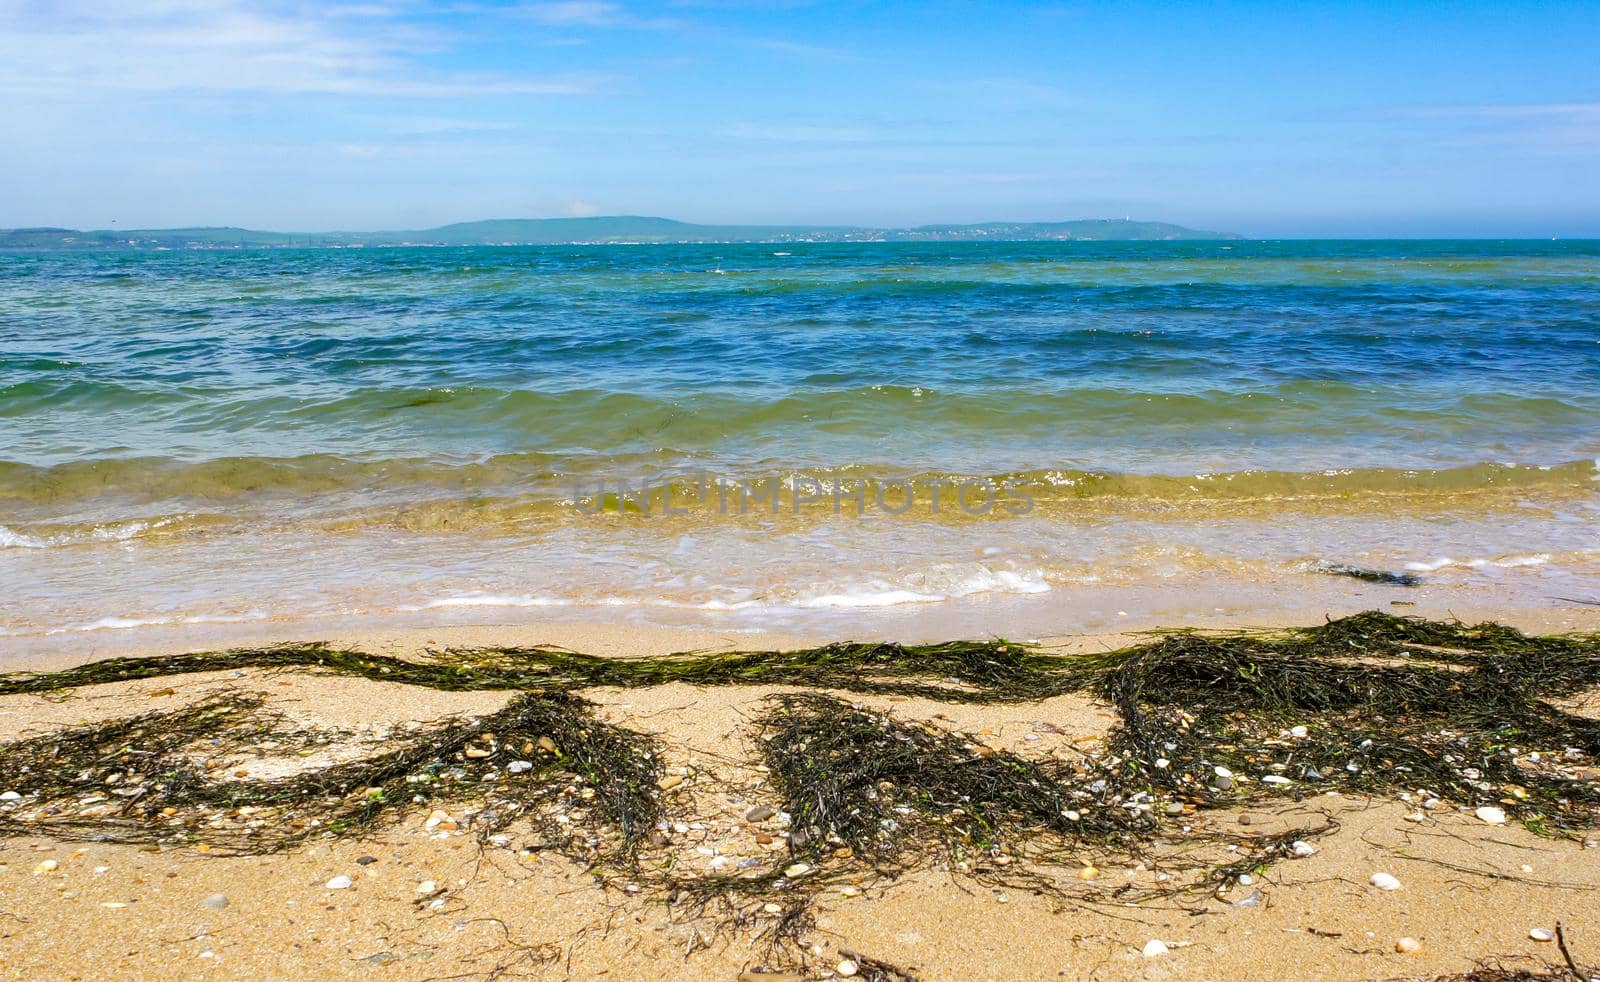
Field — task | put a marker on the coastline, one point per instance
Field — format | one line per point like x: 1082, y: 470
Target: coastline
x: 1470, y: 891
x: 1091, y: 620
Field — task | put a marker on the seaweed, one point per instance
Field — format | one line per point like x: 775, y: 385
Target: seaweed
x: 894, y: 792
x: 975, y: 670
x: 1371, y: 575
x: 139, y: 779
x: 1371, y: 703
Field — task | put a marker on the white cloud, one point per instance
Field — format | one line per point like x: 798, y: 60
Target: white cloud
x: 806, y: 50
x: 1527, y: 111
x: 78, y: 48
x: 802, y: 134
x: 591, y: 13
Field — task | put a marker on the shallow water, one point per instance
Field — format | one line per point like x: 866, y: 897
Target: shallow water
x: 228, y: 436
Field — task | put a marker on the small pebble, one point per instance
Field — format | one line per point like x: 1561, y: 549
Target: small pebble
x: 1491, y: 815
x: 1298, y: 732
x: 1408, y: 946
x: 1155, y: 948
x: 1088, y: 873
x: 1383, y: 881
x: 46, y: 866
x: 216, y: 901
x: 1300, y: 849
x: 847, y: 968
x: 798, y: 869
x: 759, y: 813
x: 366, y: 860
x: 772, y: 908
x: 1542, y: 934
x: 519, y: 767
x: 339, y: 883
x: 669, y: 782
x: 427, y: 886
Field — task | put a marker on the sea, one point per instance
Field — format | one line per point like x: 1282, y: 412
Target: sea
x: 853, y: 439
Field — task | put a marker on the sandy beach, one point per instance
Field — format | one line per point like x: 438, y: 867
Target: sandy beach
x: 426, y: 896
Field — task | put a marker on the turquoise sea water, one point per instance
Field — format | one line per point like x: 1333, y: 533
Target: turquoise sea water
x: 167, y: 408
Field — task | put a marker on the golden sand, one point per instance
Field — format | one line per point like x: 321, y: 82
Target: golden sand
x: 1469, y: 891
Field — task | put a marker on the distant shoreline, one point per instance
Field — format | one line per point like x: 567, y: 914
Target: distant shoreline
x: 618, y: 230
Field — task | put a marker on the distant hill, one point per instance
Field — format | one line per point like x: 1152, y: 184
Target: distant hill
x: 614, y: 229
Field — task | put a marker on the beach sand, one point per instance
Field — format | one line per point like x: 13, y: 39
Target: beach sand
x: 1469, y: 891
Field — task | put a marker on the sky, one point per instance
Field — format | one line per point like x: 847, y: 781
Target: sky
x: 1268, y: 119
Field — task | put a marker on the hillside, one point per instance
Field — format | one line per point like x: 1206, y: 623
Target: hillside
x: 611, y: 229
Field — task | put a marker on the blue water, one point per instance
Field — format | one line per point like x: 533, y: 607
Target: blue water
x: 180, y: 430
x: 1143, y: 357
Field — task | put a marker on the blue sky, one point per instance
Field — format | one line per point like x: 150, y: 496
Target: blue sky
x: 1263, y: 118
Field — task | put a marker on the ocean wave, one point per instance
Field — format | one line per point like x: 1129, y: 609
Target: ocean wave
x: 112, y: 532
x: 394, y: 488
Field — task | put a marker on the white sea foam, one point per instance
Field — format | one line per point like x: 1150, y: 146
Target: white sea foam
x: 124, y: 623
x: 986, y: 580
x: 487, y: 600
x: 114, y: 624
x: 1505, y: 562
x: 946, y: 584
x: 869, y: 598
x: 118, y: 532
x: 16, y: 540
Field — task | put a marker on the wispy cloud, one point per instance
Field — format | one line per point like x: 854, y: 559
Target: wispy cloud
x: 1013, y: 92
x: 1523, y: 111
x: 1552, y: 129
x: 238, y: 46
x: 964, y: 178
x: 783, y: 133
x: 801, y: 50
x: 592, y: 13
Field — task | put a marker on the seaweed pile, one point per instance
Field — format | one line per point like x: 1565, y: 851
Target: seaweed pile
x: 1371, y: 703
x: 160, y: 778
x: 860, y: 783
x: 969, y: 671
